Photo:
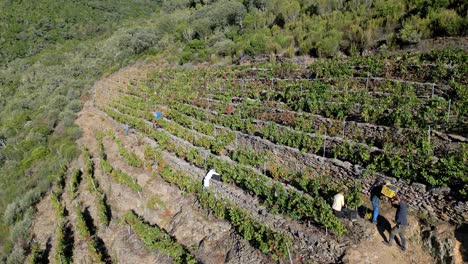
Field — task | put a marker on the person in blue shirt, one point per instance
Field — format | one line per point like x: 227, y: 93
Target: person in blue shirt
x: 401, y: 219
x: 376, y: 196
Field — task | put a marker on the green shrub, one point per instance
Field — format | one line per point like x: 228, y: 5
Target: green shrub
x: 446, y: 22
x: 139, y: 40
x: 17, y: 208
x: 67, y: 117
x: 74, y: 132
x: 20, y: 233
x: 409, y: 34
x: 74, y: 106
x: 17, y: 256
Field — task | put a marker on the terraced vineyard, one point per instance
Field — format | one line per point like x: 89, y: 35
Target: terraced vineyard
x: 289, y: 137
x: 408, y: 129
x: 284, y: 137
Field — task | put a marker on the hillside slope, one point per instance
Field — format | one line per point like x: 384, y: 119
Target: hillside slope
x: 52, y: 53
x: 209, y: 239
x: 177, y: 163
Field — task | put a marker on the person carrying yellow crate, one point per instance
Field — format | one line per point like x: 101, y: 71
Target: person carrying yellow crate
x: 378, y: 191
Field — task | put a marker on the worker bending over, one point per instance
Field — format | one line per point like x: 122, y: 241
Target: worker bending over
x: 401, y: 219
x: 338, y: 204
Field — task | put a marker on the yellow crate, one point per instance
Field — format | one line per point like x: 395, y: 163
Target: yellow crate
x: 389, y: 191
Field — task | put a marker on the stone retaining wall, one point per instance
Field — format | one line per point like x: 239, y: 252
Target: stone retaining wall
x: 435, y: 202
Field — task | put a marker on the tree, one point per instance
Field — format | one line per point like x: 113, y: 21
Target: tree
x: 409, y: 35
x: 329, y: 45
x: 220, y: 14
x: 290, y: 10
x: 446, y: 22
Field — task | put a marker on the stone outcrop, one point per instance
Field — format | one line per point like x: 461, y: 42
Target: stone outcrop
x: 439, y: 240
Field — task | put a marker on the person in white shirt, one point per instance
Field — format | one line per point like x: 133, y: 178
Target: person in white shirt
x: 338, y: 204
x: 206, y: 180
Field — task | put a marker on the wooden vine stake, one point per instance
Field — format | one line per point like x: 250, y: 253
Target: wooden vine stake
x: 236, y: 140
x: 367, y: 80
x: 209, y: 109
x: 448, y: 110
x: 429, y: 134
x: 344, y: 127
x: 324, y: 141
x: 289, y: 253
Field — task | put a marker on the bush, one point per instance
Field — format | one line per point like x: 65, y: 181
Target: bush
x: 68, y: 117
x: 329, y: 45
x: 74, y: 106
x: 224, y: 47
x: 446, y: 22
x: 68, y: 151
x: 409, y: 35
x: 11, y: 212
x: 138, y: 41
x: 20, y: 233
x: 221, y: 13
x: 15, y: 209
x: 17, y: 256
x: 73, y: 94
x: 74, y: 132
x: 195, y: 50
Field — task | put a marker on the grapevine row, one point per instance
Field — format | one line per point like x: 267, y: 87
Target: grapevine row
x: 85, y: 234
x: 298, y: 205
x: 156, y: 238
x: 399, y: 163
x: 93, y: 187
x: 299, y: 180
x: 251, y: 230
x: 262, y: 237
x: 60, y: 231
x: 130, y: 157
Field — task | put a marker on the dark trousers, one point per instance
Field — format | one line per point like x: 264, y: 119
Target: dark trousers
x: 400, y: 230
x: 344, y: 213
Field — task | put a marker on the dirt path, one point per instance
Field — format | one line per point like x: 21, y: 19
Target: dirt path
x: 373, y: 250
x: 44, y: 226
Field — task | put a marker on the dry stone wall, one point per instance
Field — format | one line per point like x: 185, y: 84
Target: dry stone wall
x: 435, y: 202
x: 311, y: 243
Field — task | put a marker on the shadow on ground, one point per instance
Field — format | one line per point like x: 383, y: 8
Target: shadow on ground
x: 461, y: 234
